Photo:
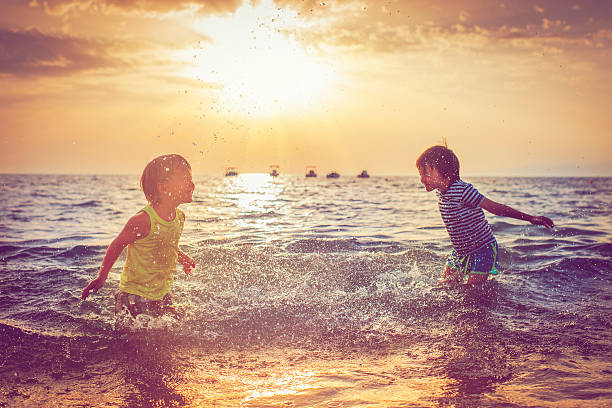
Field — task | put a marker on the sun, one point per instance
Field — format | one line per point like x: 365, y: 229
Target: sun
x: 260, y: 67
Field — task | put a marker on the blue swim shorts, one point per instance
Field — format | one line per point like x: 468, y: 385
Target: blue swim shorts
x: 482, y: 262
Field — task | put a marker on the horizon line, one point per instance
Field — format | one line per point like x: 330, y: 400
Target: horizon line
x: 221, y: 174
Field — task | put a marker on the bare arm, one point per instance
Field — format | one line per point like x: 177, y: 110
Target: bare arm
x: 505, y: 211
x: 137, y: 227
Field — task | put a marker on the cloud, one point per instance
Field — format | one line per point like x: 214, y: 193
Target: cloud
x: 61, y: 7
x: 30, y: 52
x: 355, y: 26
x: 367, y: 25
x: 484, y: 13
x: 442, y: 11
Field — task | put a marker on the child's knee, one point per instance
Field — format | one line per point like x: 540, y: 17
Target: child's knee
x: 477, y: 278
x: 450, y: 275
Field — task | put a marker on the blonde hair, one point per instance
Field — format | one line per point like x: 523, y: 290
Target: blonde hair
x: 159, y: 170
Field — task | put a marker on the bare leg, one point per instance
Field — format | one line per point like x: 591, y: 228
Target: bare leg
x: 450, y: 276
x: 476, y: 278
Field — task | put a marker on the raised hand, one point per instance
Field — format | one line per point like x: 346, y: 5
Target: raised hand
x: 186, y: 261
x: 94, y: 285
x: 540, y: 220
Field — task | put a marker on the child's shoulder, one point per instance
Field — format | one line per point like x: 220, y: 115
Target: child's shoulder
x: 461, y: 185
x: 141, y: 220
x: 460, y: 190
x: 457, y: 187
x: 137, y: 226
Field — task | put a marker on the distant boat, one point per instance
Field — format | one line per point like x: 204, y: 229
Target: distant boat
x: 333, y: 174
x: 311, y: 171
x: 363, y: 174
x: 230, y: 171
x: 274, y: 170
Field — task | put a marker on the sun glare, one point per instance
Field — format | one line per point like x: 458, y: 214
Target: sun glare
x: 260, y: 66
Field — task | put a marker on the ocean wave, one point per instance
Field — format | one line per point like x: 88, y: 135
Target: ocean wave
x: 62, y: 353
x: 40, y: 194
x: 208, y: 243
x: 347, y: 271
x: 48, y: 241
x: 81, y: 251
x: 18, y: 217
x: 575, y: 231
x: 10, y: 253
x: 382, y: 246
x: 570, y: 269
x: 248, y: 295
x: 206, y: 220
x: 87, y: 204
x: 257, y: 215
x: 35, y: 253
x: 9, y: 249
x: 63, y: 219
x: 604, y: 249
x: 531, y: 246
x: 498, y: 225
x: 323, y: 246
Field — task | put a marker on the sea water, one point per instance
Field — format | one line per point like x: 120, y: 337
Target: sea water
x: 308, y: 293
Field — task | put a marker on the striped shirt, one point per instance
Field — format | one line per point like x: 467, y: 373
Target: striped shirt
x: 464, y: 219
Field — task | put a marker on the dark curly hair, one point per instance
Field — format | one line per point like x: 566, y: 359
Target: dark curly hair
x: 441, y: 158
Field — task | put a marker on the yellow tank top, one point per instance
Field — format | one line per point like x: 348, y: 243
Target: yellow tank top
x: 151, y: 261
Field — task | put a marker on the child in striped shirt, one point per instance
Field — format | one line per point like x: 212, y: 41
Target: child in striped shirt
x: 474, y: 254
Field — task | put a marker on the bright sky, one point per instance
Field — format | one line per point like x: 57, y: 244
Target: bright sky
x: 103, y: 86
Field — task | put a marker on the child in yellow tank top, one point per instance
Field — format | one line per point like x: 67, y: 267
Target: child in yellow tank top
x: 151, y: 238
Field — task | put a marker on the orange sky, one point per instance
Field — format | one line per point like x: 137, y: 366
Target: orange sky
x: 102, y: 86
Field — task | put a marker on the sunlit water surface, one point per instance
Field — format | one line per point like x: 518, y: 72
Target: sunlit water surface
x: 308, y: 293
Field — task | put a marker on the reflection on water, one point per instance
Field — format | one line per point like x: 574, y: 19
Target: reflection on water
x: 306, y: 378
x: 255, y: 196
x: 252, y: 193
x: 307, y: 293
x: 259, y: 208
x: 264, y: 381
x: 158, y: 372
